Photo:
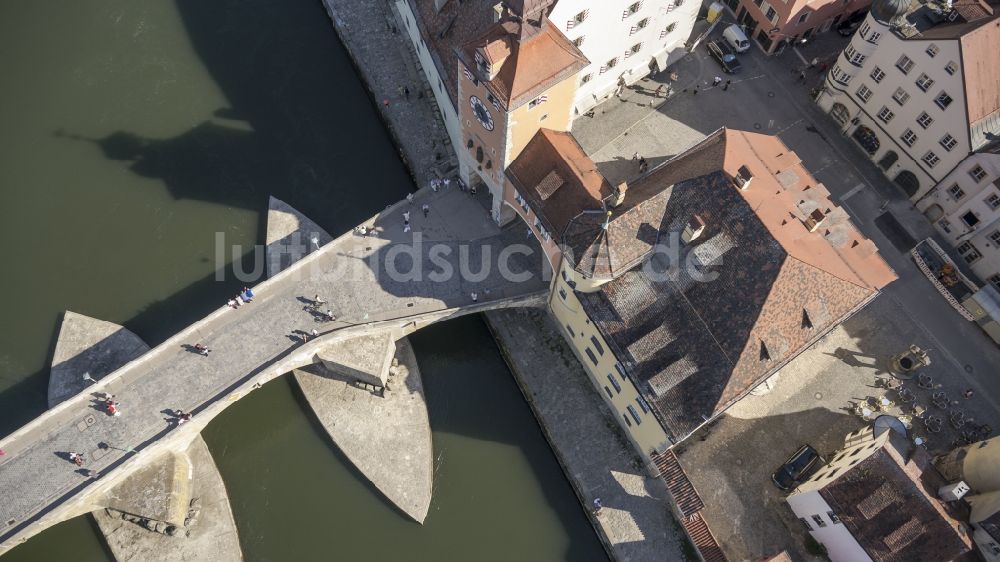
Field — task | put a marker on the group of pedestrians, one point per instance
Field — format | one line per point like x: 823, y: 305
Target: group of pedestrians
x: 245, y: 296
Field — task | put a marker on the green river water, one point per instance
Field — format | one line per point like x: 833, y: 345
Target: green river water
x: 131, y: 132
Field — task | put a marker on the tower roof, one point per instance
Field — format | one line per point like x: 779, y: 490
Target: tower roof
x: 887, y: 11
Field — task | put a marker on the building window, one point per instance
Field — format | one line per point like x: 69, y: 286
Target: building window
x: 819, y: 521
x: 771, y: 15
x: 635, y: 49
x: 579, y: 18
x: 993, y: 201
x: 579, y: 40
x: 948, y: 142
x: 932, y: 50
x: 635, y: 415
x: 633, y: 8
x: 641, y: 25
x: 904, y: 64
x: 590, y: 354
x: 924, y: 120
x: 944, y: 225
x: 628, y: 422
x: 839, y: 75
x: 956, y: 192
x: 833, y: 517
x: 642, y: 404
x: 865, y: 28
x: 597, y: 345
x: 930, y: 159
x: 614, y: 383
x: 621, y: 370
x: 951, y: 67
x: 853, y: 56
x: 569, y: 330
x: 969, y: 252
x: 864, y: 93
x: 924, y: 82
x: 908, y: 137
x: 900, y: 96
x: 586, y: 78
x: 994, y: 280
x: 608, y: 391
x: 612, y: 63
x: 804, y: 17
x: 877, y: 74
x: 671, y: 27
x: 874, y: 37
x: 943, y: 100
x: 977, y: 173
x: 970, y: 219
x: 806, y: 523
x: 885, y: 114
x: 995, y: 237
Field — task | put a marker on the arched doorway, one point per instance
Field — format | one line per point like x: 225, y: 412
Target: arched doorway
x: 840, y: 113
x: 867, y: 139
x: 934, y: 213
x: 908, y: 181
x: 888, y: 160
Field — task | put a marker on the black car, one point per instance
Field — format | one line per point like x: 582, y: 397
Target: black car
x: 847, y: 27
x: 725, y: 55
x: 796, y: 468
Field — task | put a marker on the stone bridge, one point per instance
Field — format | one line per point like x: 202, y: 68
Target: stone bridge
x: 380, y: 288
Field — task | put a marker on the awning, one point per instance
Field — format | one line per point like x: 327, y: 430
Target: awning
x: 636, y: 73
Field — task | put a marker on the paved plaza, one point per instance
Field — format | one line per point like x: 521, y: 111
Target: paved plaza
x: 368, y: 281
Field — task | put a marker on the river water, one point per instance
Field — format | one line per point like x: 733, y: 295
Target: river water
x: 131, y: 132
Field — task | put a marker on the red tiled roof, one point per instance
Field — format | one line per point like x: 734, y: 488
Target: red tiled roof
x: 889, y: 504
x: 534, y: 65
x: 729, y: 311
x: 558, y: 179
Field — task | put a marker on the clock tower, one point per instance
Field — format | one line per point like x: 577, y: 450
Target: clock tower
x: 517, y: 77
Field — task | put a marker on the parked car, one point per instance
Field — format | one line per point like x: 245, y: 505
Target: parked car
x: 797, y: 468
x: 847, y: 27
x: 725, y: 55
x: 736, y: 38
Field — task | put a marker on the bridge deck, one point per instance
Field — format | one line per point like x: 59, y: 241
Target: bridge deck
x: 34, y: 479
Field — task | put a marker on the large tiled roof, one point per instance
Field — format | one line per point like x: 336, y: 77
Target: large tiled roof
x: 455, y: 25
x: 755, y: 288
x: 980, y: 48
x: 558, y: 179
x: 889, y: 505
x: 534, y: 64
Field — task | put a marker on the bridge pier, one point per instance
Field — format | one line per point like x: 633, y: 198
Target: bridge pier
x: 151, y: 514
x: 385, y: 434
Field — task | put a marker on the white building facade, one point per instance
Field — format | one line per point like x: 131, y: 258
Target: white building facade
x: 623, y: 40
x: 910, y: 89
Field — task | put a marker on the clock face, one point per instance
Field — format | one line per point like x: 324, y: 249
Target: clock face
x: 482, y: 114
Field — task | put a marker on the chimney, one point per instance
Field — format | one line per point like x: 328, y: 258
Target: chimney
x: 439, y: 5
x: 814, y: 219
x: 618, y: 197
x: 498, y: 12
x: 693, y: 230
x: 954, y: 491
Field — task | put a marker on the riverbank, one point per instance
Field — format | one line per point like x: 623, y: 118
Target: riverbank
x: 382, y: 56
x: 635, y: 521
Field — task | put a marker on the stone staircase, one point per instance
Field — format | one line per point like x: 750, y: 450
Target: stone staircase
x: 690, y: 504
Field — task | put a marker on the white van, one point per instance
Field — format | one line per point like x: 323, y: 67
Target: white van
x: 736, y: 38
